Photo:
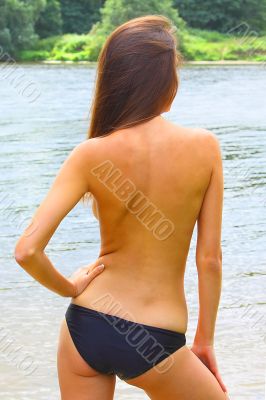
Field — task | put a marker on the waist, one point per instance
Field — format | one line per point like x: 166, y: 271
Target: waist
x: 162, y: 305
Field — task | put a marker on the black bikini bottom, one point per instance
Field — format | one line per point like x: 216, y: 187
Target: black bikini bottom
x: 113, y: 345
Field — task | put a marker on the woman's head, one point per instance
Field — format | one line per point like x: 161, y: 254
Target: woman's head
x: 136, y: 76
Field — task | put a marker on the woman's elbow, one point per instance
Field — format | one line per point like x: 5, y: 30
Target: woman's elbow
x: 213, y: 263
x: 23, y: 254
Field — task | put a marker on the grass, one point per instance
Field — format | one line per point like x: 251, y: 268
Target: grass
x: 198, y: 45
x: 213, y: 46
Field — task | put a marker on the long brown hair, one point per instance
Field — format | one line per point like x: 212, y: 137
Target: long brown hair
x: 136, y: 75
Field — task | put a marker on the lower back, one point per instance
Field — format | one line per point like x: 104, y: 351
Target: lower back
x: 148, y: 292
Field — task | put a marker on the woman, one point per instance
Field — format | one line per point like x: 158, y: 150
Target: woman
x: 150, y: 181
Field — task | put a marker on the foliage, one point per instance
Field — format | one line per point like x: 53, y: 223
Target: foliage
x: 50, y: 21
x: 223, y: 15
x: 17, y: 23
x: 46, y: 44
x: 33, y: 55
x: 212, y: 46
x: 31, y: 29
x: 199, y: 45
x: 116, y: 12
x: 5, y: 36
x: 79, y: 16
x: 70, y: 43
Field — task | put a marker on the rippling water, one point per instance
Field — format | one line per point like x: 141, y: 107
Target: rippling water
x: 36, y: 138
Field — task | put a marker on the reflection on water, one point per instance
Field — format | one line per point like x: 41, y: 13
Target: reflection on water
x: 36, y: 138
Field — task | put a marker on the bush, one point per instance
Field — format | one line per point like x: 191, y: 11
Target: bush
x: 46, y: 44
x: 198, y: 46
x: 204, y: 45
x: 94, y: 45
x: 71, y: 43
x: 33, y: 55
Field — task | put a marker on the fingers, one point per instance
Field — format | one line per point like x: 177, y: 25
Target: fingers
x: 97, y: 269
x: 84, y: 279
x: 91, y: 267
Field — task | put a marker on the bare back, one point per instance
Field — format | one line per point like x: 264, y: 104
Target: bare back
x: 165, y: 170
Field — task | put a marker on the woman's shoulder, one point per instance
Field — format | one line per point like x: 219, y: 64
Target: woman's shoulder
x: 200, y: 136
x: 201, y: 143
x: 197, y: 132
x: 89, y: 151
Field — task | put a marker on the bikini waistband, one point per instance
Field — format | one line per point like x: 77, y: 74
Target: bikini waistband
x: 111, y: 318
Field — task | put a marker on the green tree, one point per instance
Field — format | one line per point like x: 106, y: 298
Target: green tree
x: 17, y: 23
x: 79, y: 16
x: 223, y: 15
x: 5, y: 37
x: 116, y: 12
x: 50, y: 21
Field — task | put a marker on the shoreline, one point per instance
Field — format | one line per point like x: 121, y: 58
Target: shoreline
x: 226, y: 62
x: 185, y: 63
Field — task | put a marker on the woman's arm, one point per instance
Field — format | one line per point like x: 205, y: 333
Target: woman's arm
x: 209, y: 259
x: 208, y: 250
x: 70, y: 184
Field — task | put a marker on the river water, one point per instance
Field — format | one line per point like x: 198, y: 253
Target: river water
x: 44, y: 114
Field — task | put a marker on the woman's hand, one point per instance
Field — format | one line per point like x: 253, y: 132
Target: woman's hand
x: 83, y: 276
x: 206, y: 354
